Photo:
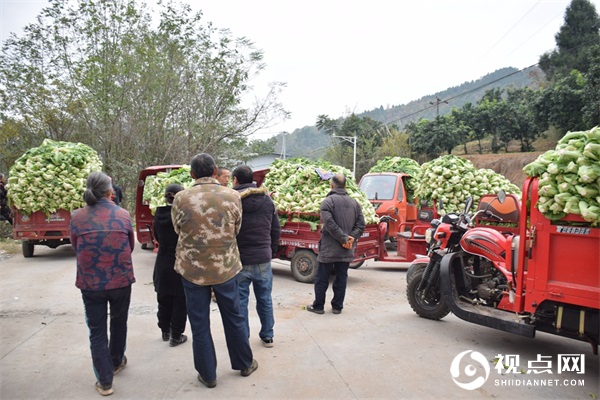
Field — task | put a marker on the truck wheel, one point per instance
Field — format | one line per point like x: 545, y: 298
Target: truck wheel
x: 27, y: 249
x: 412, y: 270
x: 304, y: 266
x: 432, y: 305
x: 356, y: 265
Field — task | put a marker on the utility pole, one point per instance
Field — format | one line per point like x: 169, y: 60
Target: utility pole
x: 283, y: 144
x: 437, y: 104
x: 351, y: 139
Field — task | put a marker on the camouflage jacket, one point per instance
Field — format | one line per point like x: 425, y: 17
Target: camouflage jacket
x: 207, y: 217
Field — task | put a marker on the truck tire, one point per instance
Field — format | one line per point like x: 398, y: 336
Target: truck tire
x: 356, y: 265
x: 433, y: 306
x: 27, y: 248
x: 304, y: 266
x: 412, y: 270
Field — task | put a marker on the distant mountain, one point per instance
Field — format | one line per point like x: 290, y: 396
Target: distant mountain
x: 311, y: 143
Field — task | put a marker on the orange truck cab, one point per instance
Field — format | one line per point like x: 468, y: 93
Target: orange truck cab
x: 387, y: 192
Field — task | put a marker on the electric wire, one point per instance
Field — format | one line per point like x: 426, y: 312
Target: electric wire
x: 482, y: 85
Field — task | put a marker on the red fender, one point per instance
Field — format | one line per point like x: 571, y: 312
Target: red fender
x: 420, y: 260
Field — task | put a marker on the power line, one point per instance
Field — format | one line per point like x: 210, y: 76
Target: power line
x: 436, y: 104
x: 535, y: 33
x: 509, y: 31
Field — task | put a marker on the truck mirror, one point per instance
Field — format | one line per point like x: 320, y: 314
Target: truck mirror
x: 501, y: 196
x: 468, y: 204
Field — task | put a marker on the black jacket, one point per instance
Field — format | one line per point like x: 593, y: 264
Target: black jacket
x: 166, y: 280
x: 258, y: 238
x: 341, y: 217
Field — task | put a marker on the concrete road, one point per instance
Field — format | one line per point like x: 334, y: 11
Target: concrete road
x: 377, y: 348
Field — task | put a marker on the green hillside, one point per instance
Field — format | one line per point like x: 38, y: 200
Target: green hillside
x: 311, y: 143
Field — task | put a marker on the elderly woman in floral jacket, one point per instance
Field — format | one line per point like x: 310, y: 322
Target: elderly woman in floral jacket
x: 102, y: 236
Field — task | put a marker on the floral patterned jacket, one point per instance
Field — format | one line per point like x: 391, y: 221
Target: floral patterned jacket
x: 103, y: 238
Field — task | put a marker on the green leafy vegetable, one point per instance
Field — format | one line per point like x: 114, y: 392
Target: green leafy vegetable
x: 453, y: 179
x: 569, y: 177
x: 51, y: 177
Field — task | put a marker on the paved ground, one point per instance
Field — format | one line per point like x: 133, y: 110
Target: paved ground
x: 377, y: 348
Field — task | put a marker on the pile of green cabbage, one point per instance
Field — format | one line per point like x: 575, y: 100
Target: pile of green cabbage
x: 569, y: 177
x: 401, y: 165
x: 298, y: 186
x: 453, y: 179
x: 155, y: 185
x: 51, y: 177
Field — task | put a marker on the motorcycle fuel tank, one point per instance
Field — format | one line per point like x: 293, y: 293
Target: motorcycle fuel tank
x: 485, y: 242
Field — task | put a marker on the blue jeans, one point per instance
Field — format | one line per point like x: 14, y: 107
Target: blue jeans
x: 339, y: 284
x: 198, y: 306
x: 107, y: 354
x: 261, y: 277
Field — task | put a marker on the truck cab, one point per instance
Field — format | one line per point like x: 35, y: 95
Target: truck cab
x: 387, y: 193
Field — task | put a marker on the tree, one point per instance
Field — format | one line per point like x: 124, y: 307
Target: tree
x: 591, y: 91
x: 561, y: 104
x: 429, y: 139
x: 244, y: 151
x: 326, y: 124
x: 395, y: 144
x: 520, y: 117
x: 489, y: 119
x: 463, y: 119
x: 100, y: 72
x: 580, y: 31
x: 369, y: 137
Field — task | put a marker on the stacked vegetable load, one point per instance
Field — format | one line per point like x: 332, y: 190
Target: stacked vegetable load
x: 453, y: 179
x: 299, y: 186
x: 154, y: 188
x: 401, y: 165
x: 51, y: 177
x: 569, y: 177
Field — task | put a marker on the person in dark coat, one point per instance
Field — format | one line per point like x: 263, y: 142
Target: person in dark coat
x: 172, y: 312
x: 343, y: 223
x: 117, y: 196
x: 257, y: 240
x: 4, y: 208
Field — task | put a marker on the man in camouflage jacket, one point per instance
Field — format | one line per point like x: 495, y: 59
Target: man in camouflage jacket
x: 207, y: 218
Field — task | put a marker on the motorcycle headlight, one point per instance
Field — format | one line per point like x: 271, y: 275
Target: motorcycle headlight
x: 429, y: 235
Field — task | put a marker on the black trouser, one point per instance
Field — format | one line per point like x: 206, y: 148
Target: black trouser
x: 107, y: 353
x: 172, y: 314
x: 339, y: 284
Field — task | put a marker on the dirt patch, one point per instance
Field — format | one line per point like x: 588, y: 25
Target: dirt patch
x: 509, y: 165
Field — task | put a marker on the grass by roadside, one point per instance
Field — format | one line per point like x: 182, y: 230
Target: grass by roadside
x: 7, y: 244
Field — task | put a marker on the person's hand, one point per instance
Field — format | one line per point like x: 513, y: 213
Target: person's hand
x: 349, y: 243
